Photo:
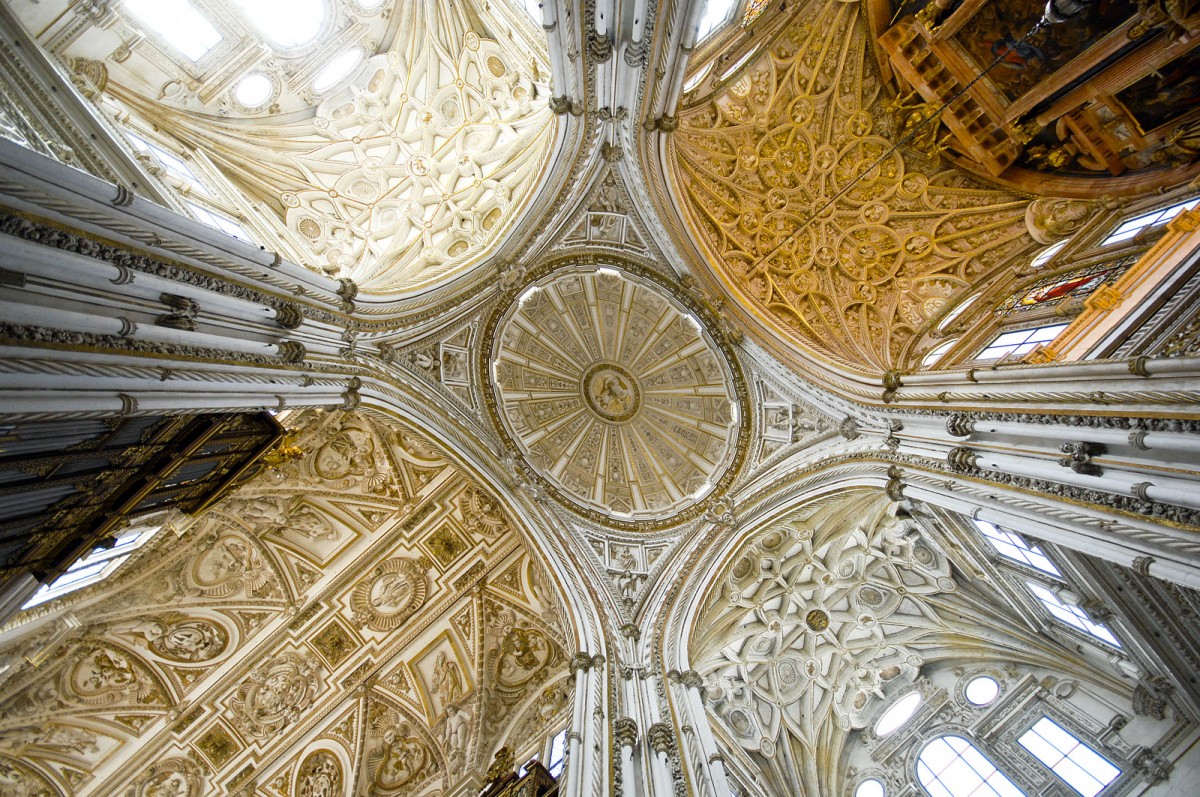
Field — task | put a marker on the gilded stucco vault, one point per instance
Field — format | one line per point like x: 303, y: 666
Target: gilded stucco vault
x: 371, y: 564
x: 788, y: 179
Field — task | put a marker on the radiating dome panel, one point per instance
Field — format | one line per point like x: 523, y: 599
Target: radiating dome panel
x: 615, y: 394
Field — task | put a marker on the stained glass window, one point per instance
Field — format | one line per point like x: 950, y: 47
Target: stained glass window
x: 1055, y: 290
x: 754, y: 9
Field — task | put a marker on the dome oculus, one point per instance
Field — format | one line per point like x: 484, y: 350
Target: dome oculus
x: 614, y: 394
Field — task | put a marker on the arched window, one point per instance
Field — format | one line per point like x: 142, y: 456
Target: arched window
x: 950, y: 766
x: 937, y: 353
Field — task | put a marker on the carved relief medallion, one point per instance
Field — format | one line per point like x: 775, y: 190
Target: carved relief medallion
x: 18, y: 780
x: 189, y: 641
x: 275, y: 694
x: 320, y: 776
x: 390, y: 594
x: 171, y: 777
x: 524, y: 653
x: 403, y: 759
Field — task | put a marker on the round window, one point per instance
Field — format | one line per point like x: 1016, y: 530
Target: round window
x: 253, y: 90
x: 869, y: 788
x: 982, y: 690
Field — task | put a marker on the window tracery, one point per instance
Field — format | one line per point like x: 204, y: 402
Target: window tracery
x: 951, y: 766
x: 1083, y: 769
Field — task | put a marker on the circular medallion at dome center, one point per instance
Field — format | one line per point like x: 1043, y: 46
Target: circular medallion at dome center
x: 611, y: 392
x: 616, y: 395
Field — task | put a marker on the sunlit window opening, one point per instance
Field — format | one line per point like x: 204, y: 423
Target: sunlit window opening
x: 1083, y: 769
x: 253, y: 90
x: 898, y: 714
x: 937, y: 353
x: 1044, y: 256
x: 1013, y: 546
x: 697, y: 78
x: 1071, y: 614
x: 953, y: 315
x: 179, y: 24
x: 285, y: 23
x: 94, y: 567
x: 557, y: 759
x: 171, y: 162
x: 714, y: 15
x: 982, y: 690
x: 534, y: 9
x: 1155, y: 218
x: 870, y: 788
x: 337, y: 70
x: 219, y: 222
x: 1020, y: 342
x: 950, y: 766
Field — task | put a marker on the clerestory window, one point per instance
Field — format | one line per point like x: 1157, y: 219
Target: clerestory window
x: 1081, y: 767
x: 950, y: 766
x: 285, y: 23
x: 1015, y: 547
x: 715, y: 14
x: 1071, y: 614
x: 1155, y: 218
x: 178, y: 23
x: 1019, y: 342
x: 93, y: 567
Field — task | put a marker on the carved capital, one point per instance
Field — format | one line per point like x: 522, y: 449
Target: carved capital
x: 347, y: 289
x: 959, y: 425
x: 581, y: 661
x: 662, y: 738
x: 962, y: 459
x: 292, y: 351
x: 625, y: 732
x: 351, y: 398
x: 288, y: 315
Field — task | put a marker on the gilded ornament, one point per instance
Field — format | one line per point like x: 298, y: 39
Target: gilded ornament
x: 391, y: 594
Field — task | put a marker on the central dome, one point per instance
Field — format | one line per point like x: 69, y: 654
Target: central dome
x: 615, y: 394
